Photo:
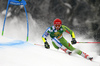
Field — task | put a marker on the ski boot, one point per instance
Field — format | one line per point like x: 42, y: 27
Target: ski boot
x: 66, y: 50
x: 86, y: 56
x: 90, y: 58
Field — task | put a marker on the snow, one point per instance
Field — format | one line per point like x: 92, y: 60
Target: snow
x: 8, y: 14
x: 28, y: 54
x: 14, y: 52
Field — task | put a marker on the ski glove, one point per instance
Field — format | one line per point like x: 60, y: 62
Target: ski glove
x: 46, y: 45
x: 73, y: 41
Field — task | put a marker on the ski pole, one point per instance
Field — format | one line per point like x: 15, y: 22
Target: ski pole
x: 77, y: 42
x: 38, y: 44
x: 88, y: 42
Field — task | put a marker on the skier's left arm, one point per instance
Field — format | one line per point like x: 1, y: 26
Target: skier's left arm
x: 69, y: 31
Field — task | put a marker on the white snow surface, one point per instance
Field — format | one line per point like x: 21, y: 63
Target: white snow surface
x: 17, y: 52
x: 28, y: 54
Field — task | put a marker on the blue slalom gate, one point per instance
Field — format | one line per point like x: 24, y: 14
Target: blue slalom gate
x: 16, y: 2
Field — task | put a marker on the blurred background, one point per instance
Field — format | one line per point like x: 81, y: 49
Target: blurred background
x: 81, y: 16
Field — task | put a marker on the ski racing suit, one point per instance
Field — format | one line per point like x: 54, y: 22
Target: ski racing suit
x: 57, y: 38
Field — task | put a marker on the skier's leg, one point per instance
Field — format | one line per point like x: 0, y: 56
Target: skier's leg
x: 56, y: 43
x: 70, y: 47
x: 86, y: 56
x: 66, y: 44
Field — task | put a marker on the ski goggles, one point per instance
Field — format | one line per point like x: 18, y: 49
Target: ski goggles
x: 58, y: 25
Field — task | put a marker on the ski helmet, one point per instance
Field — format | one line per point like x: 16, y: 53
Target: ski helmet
x: 57, y: 21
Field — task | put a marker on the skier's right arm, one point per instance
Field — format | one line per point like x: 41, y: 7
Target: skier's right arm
x: 46, y: 33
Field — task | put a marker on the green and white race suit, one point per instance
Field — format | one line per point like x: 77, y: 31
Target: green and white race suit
x: 57, y: 37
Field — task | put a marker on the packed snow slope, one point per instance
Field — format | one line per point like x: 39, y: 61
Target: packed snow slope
x: 22, y: 53
x: 15, y: 51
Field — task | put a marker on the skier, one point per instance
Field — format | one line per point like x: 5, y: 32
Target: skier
x: 59, y: 42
